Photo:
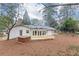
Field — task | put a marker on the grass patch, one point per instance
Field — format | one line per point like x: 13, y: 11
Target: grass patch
x: 74, y: 47
x: 72, y: 50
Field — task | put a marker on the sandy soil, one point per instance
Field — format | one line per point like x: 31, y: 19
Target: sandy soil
x: 38, y: 48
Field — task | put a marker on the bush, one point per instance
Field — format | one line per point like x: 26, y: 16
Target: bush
x: 69, y: 25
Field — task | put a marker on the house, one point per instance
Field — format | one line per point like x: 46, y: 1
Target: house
x: 36, y: 32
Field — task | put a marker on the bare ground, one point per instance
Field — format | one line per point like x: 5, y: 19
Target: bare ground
x: 38, y: 48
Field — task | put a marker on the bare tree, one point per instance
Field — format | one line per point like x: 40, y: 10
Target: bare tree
x: 7, y: 20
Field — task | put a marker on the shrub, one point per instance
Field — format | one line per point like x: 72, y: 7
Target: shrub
x: 69, y: 25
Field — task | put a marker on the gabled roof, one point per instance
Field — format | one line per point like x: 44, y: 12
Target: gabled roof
x: 39, y: 27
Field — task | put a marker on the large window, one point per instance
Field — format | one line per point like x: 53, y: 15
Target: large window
x: 27, y: 31
x: 44, y: 32
x: 35, y: 33
x: 20, y: 32
x: 38, y: 33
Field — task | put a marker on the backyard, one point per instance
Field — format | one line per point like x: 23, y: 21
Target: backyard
x: 61, y: 45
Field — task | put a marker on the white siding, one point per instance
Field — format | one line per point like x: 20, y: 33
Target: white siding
x: 49, y: 32
x: 48, y: 35
x: 15, y: 32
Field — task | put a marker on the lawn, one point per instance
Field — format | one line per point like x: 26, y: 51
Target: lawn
x: 57, y: 46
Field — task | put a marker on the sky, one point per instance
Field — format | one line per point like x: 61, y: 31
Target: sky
x: 33, y: 10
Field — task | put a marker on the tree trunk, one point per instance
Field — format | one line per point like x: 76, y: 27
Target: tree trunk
x: 9, y: 29
x: 8, y: 35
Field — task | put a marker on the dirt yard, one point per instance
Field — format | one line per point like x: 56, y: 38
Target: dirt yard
x: 38, y: 48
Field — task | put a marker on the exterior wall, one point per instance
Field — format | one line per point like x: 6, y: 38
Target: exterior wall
x: 42, y: 37
x: 15, y: 32
x: 50, y: 32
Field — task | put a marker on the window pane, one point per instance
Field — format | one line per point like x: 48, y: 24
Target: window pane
x: 35, y: 32
x: 40, y: 32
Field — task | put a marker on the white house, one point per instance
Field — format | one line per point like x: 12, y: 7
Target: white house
x: 33, y: 31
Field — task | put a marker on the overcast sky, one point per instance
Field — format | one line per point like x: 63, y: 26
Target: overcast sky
x: 33, y: 10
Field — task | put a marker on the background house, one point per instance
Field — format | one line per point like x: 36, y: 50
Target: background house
x: 34, y: 31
